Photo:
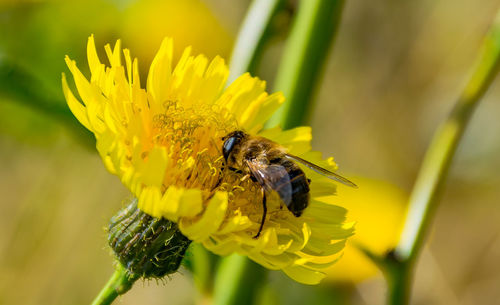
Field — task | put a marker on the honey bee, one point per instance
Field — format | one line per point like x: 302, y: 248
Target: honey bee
x: 268, y: 164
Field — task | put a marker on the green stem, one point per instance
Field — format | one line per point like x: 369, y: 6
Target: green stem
x: 434, y: 170
x: 119, y: 283
x: 397, y: 282
x: 254, y: 34
x: 231, y: 283
x: 201, y: 263
x: 303, y: 61
x: 238, y: 280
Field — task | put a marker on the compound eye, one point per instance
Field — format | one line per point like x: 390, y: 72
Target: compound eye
x: 228, y: 147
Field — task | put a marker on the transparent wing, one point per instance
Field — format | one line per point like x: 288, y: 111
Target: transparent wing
x: 322, y: 171
x: 272, y: 177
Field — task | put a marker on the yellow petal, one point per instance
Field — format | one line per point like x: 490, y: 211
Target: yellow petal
x: 296, y: 140
x: 199, y: 230
x: 160, y: 72
x: 77, y: 108
x: 264, y: 111
x: 114, y: 56
x: 152, y: 170
x: 92, y: 58
x: 236, y: 223
x: 148, y: 200
x: 304, y: 275
x: 169, y: 204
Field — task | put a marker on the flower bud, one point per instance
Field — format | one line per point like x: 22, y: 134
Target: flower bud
x: 146, y: 246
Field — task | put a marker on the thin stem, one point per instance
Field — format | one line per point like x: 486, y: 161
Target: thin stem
x: 439, y: 155
x: 398, y: 276
x: 253, y: 36
x: 436, y: 164
x: 303, y: 61
x: 232, y: 284
x: 119, y: 283
x: 201, y: 263
x: 238, y: 280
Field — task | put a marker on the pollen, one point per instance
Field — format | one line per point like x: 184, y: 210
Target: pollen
x: 192, y: 138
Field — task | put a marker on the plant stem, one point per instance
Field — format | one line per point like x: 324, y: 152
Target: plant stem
x: 201, y: 263
x: 119, y: 283
x: 231, y: 284
x: 253, y: 36
x: 397, y: 276
x: 303, y: 60
x: 435, y: 167
x: 237, y: 281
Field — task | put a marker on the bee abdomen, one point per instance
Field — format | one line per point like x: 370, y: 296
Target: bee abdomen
x: 300, y: 188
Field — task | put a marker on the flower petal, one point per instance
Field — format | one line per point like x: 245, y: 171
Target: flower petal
x: 77, y: 108
x: 209, y: 222
x: 304, y: 275
x: 160, y: 72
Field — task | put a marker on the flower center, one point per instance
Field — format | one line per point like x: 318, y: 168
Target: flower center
x: 193, y: 139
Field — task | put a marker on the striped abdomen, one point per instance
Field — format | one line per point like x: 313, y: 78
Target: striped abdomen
x: 299, y: 184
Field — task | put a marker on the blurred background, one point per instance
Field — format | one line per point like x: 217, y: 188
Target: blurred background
x: 393, y: 74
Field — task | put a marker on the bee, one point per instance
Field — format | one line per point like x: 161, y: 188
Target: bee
x: 268, y: 164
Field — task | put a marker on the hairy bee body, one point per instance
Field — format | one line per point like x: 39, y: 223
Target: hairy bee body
x: 256, y: 156
x: 268, y: 164
x: 300, y: 187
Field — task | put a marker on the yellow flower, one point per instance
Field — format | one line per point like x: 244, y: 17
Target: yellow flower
x: 165, y: 142
x: 378, y: 208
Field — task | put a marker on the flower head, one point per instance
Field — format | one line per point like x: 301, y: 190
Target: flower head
x: 165, y: 143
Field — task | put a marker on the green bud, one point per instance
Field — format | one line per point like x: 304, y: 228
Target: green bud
x: 146, y: 246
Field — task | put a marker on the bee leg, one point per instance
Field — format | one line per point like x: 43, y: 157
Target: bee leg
x: 235, y: 170
x: 218, y: 183
x: 263, y: 214
x: 245, y: 177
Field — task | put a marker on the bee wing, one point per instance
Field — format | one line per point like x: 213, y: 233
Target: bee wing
x: 272, y: 177
x: 322, y: 171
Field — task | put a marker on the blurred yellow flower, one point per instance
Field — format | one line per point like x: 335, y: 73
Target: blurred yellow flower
x: 378, y: 208
x: 165, y: 142
x: 188, y: 22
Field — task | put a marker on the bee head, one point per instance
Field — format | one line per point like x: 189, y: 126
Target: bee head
x: 230, y: 141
